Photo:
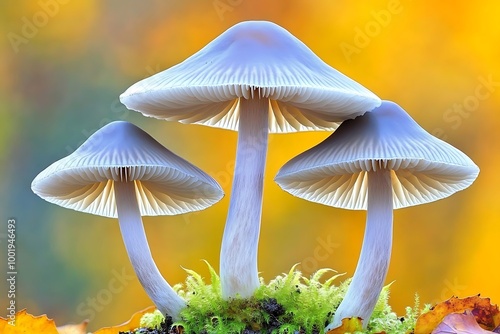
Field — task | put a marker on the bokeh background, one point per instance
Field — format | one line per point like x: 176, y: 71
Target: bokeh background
x: 65, y: 62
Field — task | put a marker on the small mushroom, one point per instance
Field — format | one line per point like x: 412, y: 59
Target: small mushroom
x: 255, y: 78
x: 377, y: 162
x: 121, y: 171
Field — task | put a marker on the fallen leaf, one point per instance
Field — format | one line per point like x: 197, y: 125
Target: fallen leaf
x: 486, y: 314
x: 348, y: 325
x: 27, y: 323
x: 74, y: 328
x: 130, y: 325
x: 455, y: 323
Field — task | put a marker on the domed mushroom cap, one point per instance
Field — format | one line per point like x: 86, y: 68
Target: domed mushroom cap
x: 120, y: 151
x: 305, y: 93
x: 423, y: 167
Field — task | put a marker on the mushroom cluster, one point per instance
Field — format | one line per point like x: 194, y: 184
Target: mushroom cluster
x: 257, y: 78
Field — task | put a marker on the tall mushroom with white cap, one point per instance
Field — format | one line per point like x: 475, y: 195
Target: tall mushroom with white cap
x: 255, y: 78
x: 377, y: 162
x: 121, y: 171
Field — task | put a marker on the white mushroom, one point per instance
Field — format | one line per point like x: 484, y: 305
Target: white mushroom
x: 255, y: 78
x: 121, y: 171
x: 378, y: 162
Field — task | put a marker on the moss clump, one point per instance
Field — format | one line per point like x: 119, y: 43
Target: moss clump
x: 153, y: 320
x: 289, y: 304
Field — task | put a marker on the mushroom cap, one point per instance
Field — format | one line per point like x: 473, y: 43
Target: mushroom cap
x: 120, y: 151
x: 252, y: 57
x: 423, y: 167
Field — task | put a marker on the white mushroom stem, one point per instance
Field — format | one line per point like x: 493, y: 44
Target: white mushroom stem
x: 373, y: 263
x: 238, y: 259
x: 134, y: 237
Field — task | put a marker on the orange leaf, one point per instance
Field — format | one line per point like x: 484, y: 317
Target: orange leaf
x: 27, y: 323
x: 74, y: 328
x: 130, y: 325
x: 348, y: 325
x: 487, y: 315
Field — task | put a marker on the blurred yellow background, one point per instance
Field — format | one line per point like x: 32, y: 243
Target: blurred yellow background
x: 64, y: 64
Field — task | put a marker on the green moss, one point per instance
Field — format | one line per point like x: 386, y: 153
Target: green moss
x: 152, y: 320
x: 289, y: 303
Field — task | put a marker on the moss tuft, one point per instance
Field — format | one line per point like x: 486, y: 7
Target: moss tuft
x: 152, y: 320
x: 290, y: 303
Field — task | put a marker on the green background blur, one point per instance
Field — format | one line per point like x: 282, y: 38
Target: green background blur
x: 65, y: 62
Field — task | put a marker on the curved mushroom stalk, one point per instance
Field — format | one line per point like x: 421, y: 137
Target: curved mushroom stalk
x: 134, y: 237
x: 373, y: 263
x: 238, y: 259
x: 117, y: 159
